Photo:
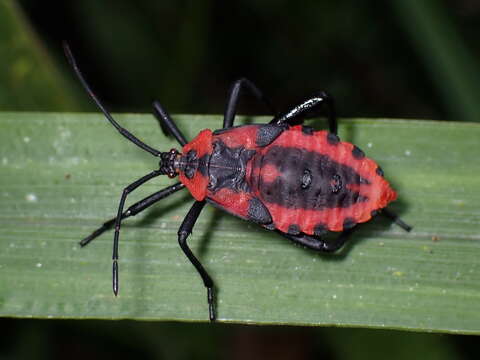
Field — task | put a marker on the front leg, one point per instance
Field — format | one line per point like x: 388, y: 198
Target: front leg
x: 133, y: 210
x: 118, y: 222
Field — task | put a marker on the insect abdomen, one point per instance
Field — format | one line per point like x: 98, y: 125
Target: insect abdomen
x: 311, y: 182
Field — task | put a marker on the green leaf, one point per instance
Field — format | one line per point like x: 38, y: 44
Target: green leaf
x: 61, y: 176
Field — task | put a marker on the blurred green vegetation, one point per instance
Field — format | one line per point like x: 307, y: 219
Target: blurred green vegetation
x: 380, y: 59
x: 29, y: 79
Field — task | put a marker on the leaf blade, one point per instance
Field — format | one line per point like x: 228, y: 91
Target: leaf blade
x: 62, y: 175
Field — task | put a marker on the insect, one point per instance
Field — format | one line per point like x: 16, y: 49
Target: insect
x: 284, y: 176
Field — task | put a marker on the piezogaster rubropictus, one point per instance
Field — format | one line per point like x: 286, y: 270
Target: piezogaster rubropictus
x: 284, y: 176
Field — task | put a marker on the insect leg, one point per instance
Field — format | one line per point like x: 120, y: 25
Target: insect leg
x: 118, y: 221
x: 184, y: 231
x: 233, y: 96
x: 317, y: 243
x: 320, y: 103
x: 394, y: 217
x: 134, y: 210
x: 167, y: 124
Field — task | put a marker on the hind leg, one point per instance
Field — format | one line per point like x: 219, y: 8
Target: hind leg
x: 317, y: 243
x: 319, y: 104
x: 234, y: 94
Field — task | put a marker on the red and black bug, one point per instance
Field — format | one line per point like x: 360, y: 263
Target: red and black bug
x: 284, y: 176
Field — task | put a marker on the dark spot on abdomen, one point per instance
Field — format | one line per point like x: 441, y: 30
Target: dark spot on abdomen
x: 379, y: 171
x: 357, y: 153
x: 336, y: 183
x: 308, y: 180
x: 348, y: 223
x: 320, y: 229
x: 332, y: 139
x: 307, y: 130
x: 294, y: 229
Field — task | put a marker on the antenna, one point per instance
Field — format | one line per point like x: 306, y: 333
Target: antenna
x: 121, y: 130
